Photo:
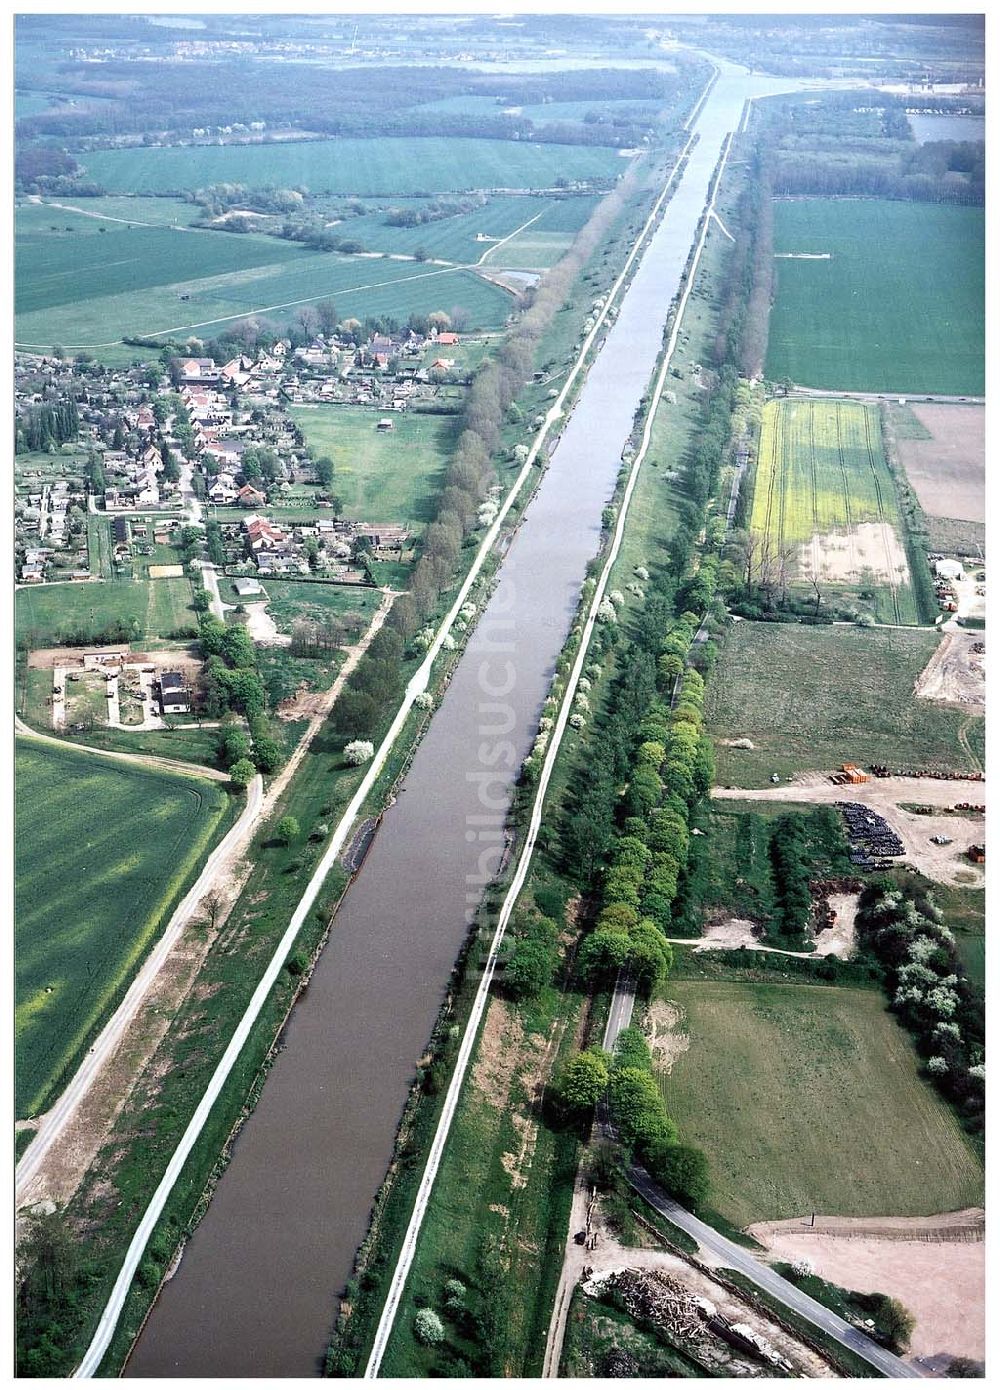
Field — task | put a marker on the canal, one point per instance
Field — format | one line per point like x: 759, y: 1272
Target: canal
x: 256, y: 1291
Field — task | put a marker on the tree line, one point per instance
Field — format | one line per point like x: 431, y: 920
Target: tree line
x: 929, y: 989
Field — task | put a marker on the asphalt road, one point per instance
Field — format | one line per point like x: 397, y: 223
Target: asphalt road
x: 735, y: 1257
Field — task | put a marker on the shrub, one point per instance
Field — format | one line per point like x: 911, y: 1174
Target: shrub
x: 428, y: 1327
x: 358, y: 751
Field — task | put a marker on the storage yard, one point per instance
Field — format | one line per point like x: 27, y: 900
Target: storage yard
x: 883, y: 798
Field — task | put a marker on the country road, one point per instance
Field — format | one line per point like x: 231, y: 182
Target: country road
x: 909, y: 398
x: 733, y: 1256
x: 52, y: 1125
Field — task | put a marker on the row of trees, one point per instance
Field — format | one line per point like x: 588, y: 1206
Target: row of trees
x: 42, y: 428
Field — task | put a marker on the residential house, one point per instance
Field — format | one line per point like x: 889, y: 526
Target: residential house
x: 250, y: 497
x: 175, y: 698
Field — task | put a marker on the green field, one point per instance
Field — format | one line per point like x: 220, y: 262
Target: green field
x: 821, y: 475
x: 290, y: 599
x: 815, y: 697
x: 454, y: 238
x: 390, y: 475
x: 899, y: 306
x: 102, y: 851
x: 83, y: 289
x: 809, y: 1098
x: 362, y: 168
x: 160, y: 607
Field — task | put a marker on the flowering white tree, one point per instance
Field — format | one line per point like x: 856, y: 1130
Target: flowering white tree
x: 942, y: 1001
x: 428, y: 1327
x: 358, y: 751
x: 937, y: 1066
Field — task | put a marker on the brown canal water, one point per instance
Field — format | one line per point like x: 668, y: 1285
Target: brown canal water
x: 256, y: 1291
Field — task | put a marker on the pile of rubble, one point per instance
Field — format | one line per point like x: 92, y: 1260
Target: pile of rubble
x: 691, y: 1323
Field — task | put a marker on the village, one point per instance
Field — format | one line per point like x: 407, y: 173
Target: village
x: 191, y: 439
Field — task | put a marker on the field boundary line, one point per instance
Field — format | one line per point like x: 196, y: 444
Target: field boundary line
x: 510, y: 236
x: 405, y: 1261
x: 151, y: 762
x: 108, y: 1321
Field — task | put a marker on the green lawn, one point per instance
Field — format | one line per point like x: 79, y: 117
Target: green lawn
x: 381, y: 475
x: 358, y: 167
x: 102, y: 852
x: 899, y: 306
x: 808, y: 1098
x: 45, y: 614
x: 811, y: 698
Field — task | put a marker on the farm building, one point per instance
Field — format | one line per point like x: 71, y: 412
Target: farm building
x: 949, y: 569
x: 174, y: 696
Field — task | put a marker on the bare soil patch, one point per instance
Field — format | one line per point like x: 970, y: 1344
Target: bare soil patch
x: 955, y: 674
x: 667, y: 1039
x: 497, y: 1054
x: 838, y: 940
x: 948, y: 471
x: 869, y: 551
x: 262, y: 627
x: 942, y: 1283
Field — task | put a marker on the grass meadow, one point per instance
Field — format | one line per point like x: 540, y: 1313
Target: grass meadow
x: 454, y: 238
x: 381, y: 475
x: 899, y: 306
x: 102, y: 852
x: 812, y: 698
x: 45, y: 613
x: 356, y: 167
x: 809, y: 1098
x: 289, y: 599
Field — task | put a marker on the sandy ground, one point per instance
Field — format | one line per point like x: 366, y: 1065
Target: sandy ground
x: 955, y: 674
x: 732, y: 933
x: 942, y: 1283
x: 948, y: 472
x: 943, y: 863
x: 262, y: 627
x: 871, y: 550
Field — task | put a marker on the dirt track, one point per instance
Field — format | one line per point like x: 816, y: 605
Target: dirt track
x: 943, y: 863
